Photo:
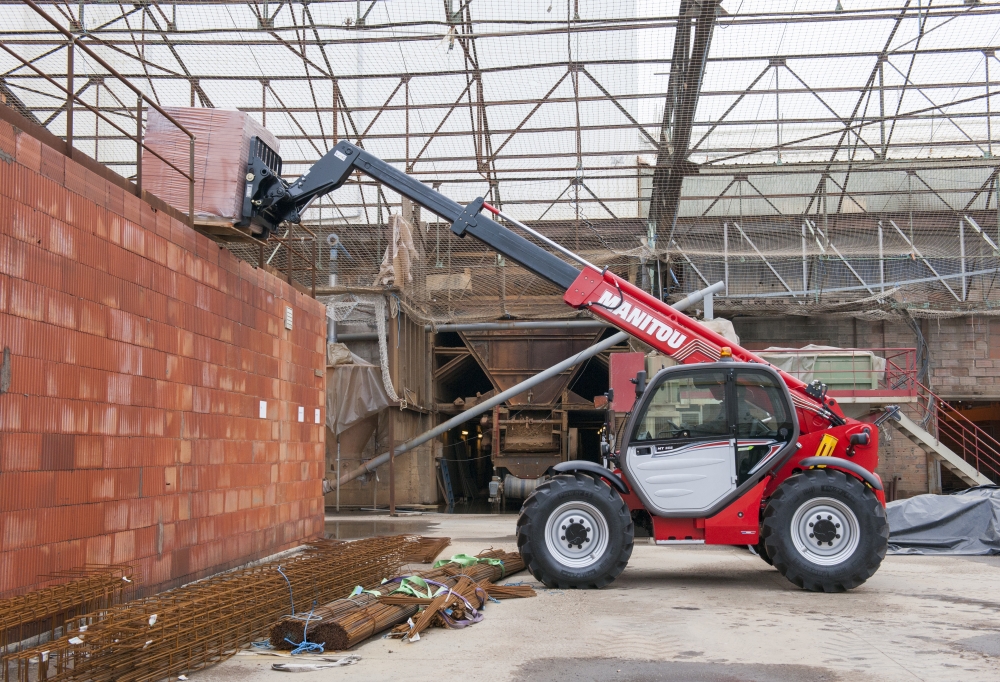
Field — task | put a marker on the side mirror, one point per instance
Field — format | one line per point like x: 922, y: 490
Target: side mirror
x: 640, y: 382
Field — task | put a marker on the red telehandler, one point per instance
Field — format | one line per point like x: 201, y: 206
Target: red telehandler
x: 722, y: 448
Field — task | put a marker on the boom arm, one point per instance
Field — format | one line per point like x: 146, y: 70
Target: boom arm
x: 270, y: 200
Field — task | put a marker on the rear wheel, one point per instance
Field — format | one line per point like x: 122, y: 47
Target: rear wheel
x: 825, y: 531
x: 575, y: 532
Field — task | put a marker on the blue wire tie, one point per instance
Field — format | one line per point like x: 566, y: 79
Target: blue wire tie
x: 290, y: 597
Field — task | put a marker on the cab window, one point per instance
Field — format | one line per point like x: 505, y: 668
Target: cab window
x: 761, y: 409
x: 762, y: 414
x: 686, y: 406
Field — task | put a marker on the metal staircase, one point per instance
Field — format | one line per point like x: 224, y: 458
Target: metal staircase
x: 949, y: 459
x: 936, y: 427
x: 947, y: 435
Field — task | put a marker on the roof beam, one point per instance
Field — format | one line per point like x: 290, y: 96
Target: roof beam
x: 692, y: 40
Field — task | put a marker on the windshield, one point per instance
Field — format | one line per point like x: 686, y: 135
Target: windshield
x: 687, y: 406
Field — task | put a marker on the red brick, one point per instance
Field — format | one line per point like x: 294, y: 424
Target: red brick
x: 28, y: 151
x: 129, y: 331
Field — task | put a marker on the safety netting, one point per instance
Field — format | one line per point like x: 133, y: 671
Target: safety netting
x: 838, y: 156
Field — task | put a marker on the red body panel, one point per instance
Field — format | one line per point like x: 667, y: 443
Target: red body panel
x: 687, y: 341
x: 739, y: 523
x: 665, y: 529
x: 622, y: 369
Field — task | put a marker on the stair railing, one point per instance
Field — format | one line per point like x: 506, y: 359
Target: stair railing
x: 963, y: 436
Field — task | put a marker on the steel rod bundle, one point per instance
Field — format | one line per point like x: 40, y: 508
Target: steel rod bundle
x: 340, y: 624
x: 43, y: 612
x: 507, y: 591
x: 359, y: 624
x: 346, y: 622
x: 426, y: 550
x: 193, y: 626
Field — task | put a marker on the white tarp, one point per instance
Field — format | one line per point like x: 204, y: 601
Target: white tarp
x: 354, y: 391
x: 801, y: 362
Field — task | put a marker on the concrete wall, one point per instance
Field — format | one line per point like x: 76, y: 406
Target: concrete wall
x: 139, y: 351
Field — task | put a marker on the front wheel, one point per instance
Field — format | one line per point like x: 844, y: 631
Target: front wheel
x: 825, y: 531
x: 575, y: 532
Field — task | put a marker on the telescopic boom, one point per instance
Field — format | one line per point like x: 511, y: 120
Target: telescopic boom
x: 269, y: 201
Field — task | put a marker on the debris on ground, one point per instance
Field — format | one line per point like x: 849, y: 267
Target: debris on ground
x: 310, y: 667
x: 196, y: 625
x: 451, y: 595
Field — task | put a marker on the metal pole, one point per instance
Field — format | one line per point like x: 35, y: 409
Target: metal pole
x: 725, y: 256
x: 526, y: 324
x: 881, y: 259
x: 138, y: 145
x: 392, y: 460
x: 881, y: 104
x: 486, y: 405
x: 338, y: 472
x: 961, y: 254
x: 69, y: 98
x: 314, y: 263
x: 191, y: 183
x: 805, y: 260
x: 336, y: 111
x: 989, y: 124
x: 777, y: 112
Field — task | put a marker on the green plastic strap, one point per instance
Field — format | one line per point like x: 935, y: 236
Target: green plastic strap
x: 415, y: 586
x: 464, y: 560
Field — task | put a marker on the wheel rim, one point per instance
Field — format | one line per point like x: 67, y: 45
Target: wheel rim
x: 576, y: 534
x: 825, y: 531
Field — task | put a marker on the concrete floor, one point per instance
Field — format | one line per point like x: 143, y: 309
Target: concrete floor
x: 691, y: 613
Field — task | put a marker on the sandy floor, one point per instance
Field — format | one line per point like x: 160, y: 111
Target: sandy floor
x: 692, y: 613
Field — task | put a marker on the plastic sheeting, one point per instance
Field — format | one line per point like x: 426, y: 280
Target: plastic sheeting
x: 967, y: 522
x: 222, y: 143
x: 353, y: 392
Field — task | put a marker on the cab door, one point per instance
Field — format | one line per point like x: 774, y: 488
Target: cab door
x: 681, y: 452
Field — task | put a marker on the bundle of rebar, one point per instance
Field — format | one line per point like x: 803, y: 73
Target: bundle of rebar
x: 346, y: 622
x: 193, y: 626
x: 340, y: 624
x: 38, y: 616
x: 507, y: 591
x: 425, y: 550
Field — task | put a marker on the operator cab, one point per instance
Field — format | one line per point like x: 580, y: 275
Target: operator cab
x: 701, y: 434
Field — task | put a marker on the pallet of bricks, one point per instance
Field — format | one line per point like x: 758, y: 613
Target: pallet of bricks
x: 196, y: 625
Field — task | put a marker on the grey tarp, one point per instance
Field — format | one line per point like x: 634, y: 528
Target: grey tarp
x: 967, y: 522
x: 353, y: 391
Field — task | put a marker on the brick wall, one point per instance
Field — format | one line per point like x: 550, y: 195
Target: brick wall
x: 965, y: 357
x: 139, y: 352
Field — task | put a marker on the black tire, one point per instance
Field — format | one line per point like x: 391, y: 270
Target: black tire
x: 760, y: 549
x: 592, y: 512
x: 840, y: 515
